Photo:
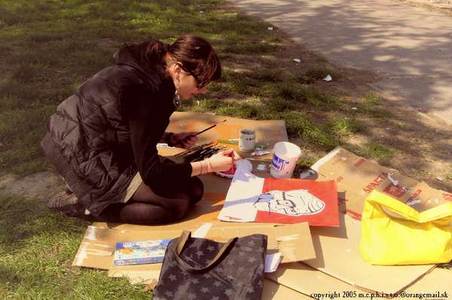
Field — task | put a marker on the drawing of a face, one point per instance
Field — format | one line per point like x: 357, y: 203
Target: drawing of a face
x: 291, y: 203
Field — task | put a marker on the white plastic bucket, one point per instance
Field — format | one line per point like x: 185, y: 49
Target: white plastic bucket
x: 285, y: 156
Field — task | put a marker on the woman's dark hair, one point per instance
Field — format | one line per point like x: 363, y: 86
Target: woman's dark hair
x: 196, y: 57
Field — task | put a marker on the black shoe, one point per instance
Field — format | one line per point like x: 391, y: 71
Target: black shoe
x: 61, y: 200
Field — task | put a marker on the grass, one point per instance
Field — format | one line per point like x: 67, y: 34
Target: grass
x: 372, y: 149
x: 50, y: 47
x: 36, y: 252
x: 47, y: 58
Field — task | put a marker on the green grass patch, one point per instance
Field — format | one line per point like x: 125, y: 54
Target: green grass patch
x: 376, y: 151
x: 36, y: 252
x: 373, y: 107
x: 345, y: 126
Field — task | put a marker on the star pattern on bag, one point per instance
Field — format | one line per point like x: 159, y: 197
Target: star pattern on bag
x: 249, y: 249
x: 223, y: 280
x: 169, y: 294
x: 229, y: 292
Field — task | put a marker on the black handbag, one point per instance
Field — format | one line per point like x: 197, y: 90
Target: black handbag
x: 195, y: 268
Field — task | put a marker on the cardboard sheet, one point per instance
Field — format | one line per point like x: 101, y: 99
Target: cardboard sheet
x: 275, y: 291
x: 356, y: 177
x: 97, y: 247
x: 338, y: 255
x: 268, y: 132
x: 310, y: 282
x: 438, y: 280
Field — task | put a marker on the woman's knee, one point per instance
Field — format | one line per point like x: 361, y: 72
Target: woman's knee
x: 147, y: 214
x: 179, y: 207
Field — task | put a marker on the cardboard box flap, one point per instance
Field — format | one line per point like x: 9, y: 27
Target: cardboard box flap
x: 356, y: 177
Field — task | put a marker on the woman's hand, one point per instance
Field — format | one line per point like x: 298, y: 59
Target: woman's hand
x: 222, y: 161
x: 183, y: 139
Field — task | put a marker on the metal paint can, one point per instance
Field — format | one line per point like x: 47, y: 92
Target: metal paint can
x: 247, y: 140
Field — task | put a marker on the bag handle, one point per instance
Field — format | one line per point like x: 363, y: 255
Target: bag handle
x: 407, y: 212
x: 181, y: 244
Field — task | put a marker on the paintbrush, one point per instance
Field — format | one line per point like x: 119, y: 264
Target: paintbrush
x: 194, y: 149
x: 210, y: 127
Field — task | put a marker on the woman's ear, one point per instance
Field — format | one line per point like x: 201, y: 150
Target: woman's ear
x: 177, y: 68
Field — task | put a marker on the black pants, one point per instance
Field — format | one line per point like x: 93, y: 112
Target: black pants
x: 151, y: 206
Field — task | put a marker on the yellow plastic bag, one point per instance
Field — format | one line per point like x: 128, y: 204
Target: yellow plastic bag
x: 393, y: 233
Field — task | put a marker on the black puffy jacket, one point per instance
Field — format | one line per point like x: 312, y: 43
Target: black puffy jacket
x: 108, y: 130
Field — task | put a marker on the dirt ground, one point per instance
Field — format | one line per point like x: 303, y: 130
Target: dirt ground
x: 442, y: 5
x: 422, y: 142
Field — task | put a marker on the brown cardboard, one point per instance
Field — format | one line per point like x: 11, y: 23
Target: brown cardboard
x: 293, y: 241
x: 337, y: 255
x: 288, y: 239
x: 137, y: 274
x: 438, y: 280
x: 97, y: 247
x: 356, y: 177
x: 310, y: 282
x: 268, y: 132
x: 275, y: 291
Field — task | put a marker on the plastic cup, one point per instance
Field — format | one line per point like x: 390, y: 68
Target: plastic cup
x: 285, y: 157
